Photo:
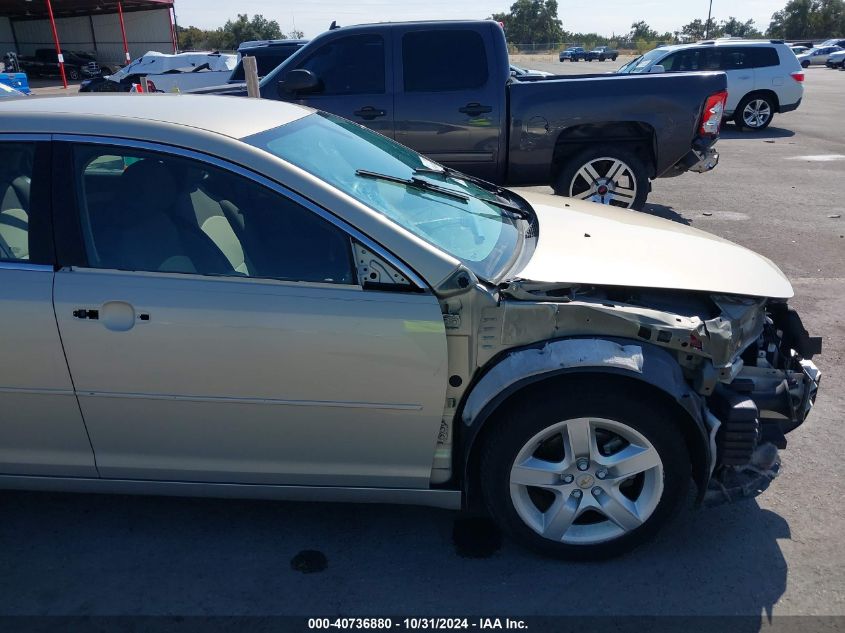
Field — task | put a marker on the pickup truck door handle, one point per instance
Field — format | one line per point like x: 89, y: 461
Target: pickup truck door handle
x: 369, y: 113
x: 474, y: 109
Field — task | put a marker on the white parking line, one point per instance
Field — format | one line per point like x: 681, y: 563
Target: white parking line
x: 819, y: 158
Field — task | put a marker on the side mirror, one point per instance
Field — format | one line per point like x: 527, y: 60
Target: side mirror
x: 657, y: 68
x: 299, y: 80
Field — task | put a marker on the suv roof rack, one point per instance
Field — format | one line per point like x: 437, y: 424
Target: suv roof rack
x: 777, y: 41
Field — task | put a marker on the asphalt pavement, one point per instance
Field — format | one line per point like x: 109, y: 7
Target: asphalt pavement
x: 780, y: 192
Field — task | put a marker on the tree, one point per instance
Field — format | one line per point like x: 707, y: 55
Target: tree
x: 642, y: 31
x: 801, y: 19
x: 242, y: 29
x: 295, y: 34
x: 531, y: 21
x: 698, y: 30
x: 738, y: 28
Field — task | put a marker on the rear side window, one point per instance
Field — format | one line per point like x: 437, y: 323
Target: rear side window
x: 734, y: 58
x: 763, y: 56
x: 349, y: 65
x: 24, y: 203
x: 443, y: 61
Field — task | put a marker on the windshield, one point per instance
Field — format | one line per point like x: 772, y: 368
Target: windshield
x: 473, y: 221
x: 642, y: 63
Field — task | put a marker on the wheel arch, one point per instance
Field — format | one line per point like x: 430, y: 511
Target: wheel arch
x: 658, y: 375
x: 762, y: 92
x: 636, y: 135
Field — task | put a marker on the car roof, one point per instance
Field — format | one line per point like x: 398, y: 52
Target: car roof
x: 220, y: 115
x: 721, y: 42
x: 271, y: 43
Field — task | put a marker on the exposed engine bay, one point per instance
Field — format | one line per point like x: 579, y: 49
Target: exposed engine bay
x: 744, y: 361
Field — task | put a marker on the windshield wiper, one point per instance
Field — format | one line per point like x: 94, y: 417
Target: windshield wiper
x: 417, y: 183
x: 448, y: 172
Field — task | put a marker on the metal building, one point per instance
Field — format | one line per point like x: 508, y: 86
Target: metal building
x: 93, y: 26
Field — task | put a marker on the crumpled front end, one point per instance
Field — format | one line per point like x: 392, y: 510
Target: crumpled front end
x: 748, y: 359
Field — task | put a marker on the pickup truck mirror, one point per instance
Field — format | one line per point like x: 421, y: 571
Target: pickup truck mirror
x: 657, y: 68
x: 299, y: 80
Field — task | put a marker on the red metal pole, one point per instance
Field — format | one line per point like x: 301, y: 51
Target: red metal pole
x: 58, y: 47
x: 123, y: 32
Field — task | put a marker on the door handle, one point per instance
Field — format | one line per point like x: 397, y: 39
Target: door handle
x: 369, y: 113
x: 85, y: 313
x: 474, y: 109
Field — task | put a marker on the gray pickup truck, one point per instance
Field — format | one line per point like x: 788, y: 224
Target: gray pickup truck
x: 445, y: 90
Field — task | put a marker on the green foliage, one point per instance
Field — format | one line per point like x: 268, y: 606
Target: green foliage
x: 642, y: 31
x: 532, y: 21
x: 231, y: 34
x: 801, y: 19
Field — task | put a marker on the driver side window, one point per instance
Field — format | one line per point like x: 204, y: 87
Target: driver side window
x: 349, y: 65
x: 146, y: 211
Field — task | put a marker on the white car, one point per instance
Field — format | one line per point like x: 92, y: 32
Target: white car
x: 836, y: 60
x: 764, y: 76
x: 817, y: 56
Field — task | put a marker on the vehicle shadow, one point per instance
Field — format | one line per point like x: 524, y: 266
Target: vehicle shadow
x: 731, y: 132
x: 665, y: 212
x: 67, y: 554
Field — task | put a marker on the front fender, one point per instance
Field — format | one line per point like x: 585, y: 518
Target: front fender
x: 521, y: 367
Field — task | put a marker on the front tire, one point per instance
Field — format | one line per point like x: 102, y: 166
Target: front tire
x: 605, y: 174
x: 585, y: 472
x: 754, y: 112
x: 805, y: 64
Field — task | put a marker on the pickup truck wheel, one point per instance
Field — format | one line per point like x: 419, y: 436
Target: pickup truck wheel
x: 586, y: 472
x: 607, y: 175
x: 754, y: 112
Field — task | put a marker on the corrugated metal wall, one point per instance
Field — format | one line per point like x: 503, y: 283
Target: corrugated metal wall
x: 7, y: 41
x: 100, y: 34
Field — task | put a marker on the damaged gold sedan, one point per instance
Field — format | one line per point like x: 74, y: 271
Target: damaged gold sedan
x: 290, y: 306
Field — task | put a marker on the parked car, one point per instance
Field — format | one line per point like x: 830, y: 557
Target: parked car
x: 764, y: 76
x: 602, y: 53
x: 600, y: 138
x: 521, y: 73
x: 836, y: 41
x: 284, y: 304
x: 817, y: 56
x: 798, y: 49
x: 573, y: 54
x: 45, y: 63
x: 836, y: 60
x: 182, y: 71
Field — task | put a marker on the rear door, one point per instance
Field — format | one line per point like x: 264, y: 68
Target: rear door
x: 41, y: 429
x: 354, y: 80
x: 737, y: 62
x: 450, y: 97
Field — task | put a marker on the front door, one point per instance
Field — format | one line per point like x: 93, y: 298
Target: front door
x: 218, y: 333
x: 354, y: 82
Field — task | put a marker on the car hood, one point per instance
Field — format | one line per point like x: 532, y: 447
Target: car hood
x: 588, y: 243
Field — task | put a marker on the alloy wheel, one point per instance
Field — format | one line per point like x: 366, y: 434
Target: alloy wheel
x: 586, y: 481
x: 605, y: 180
x: 756, y: 113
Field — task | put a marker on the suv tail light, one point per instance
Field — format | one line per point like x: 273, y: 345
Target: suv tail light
x: 714, y: 110
x: 797, y: 76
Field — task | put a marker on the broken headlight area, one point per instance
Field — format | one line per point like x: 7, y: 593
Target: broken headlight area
x: 747, y: 357
x: 770, y: 395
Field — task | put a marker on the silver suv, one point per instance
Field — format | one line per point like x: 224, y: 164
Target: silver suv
x: 764, y: 76
x: 297, y: 307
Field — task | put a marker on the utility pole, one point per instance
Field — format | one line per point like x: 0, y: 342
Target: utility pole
x: 707, y: 24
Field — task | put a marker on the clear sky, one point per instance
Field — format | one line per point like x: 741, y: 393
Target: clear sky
x: 601, y: 16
